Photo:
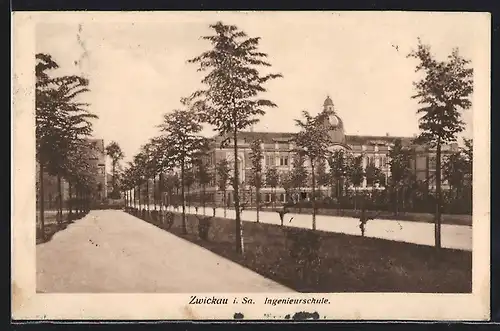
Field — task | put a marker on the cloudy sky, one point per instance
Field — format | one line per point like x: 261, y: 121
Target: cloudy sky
x: 138, y: 70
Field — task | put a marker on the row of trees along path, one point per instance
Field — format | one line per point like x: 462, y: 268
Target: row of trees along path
x: 230, y: 103
x: 63, y: 124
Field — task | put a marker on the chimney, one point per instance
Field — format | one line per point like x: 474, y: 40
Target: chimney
x: 387, y: 134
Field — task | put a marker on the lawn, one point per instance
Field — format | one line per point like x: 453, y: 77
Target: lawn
x: 345, y: 264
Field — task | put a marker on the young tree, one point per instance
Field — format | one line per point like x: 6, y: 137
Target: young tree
x: 114, y: 151
x: 322, y: 175
x: 203, y: 174
x: 373, y: 174
x: 468, y: 153
x: 338, y: 170
x: 62, y: 123
x: 140, y: 161
x: 171, y: 183
x: 256, y: 156
x: 356, y: 175
x: 231, y: 103
x: 76, y: 165
x: 158, y: 159
x: 286, y: 181
x: 222, y: 171
x: 455, y: 169
x: 272, y: 180
x: 181, y: 134
x: 127, y: 184
x: 443, y: 92
x: 400, y: 172
x: 298, y: 175
x: 189, y: 179
x: 313, y: 141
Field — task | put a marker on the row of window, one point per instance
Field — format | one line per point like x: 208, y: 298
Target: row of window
x: 381, y: 161
x: 265, y: 197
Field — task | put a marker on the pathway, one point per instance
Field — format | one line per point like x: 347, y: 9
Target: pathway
x: 111, y: 251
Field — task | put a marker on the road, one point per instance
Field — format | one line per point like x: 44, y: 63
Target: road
x: 452, y: 236
x: 113, y: 252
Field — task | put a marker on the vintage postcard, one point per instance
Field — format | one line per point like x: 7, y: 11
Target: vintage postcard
x: 251, y: 165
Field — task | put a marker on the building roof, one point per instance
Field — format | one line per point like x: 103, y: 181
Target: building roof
x: 367, y: 140
x: 266, y: 137
x: 272, y: 137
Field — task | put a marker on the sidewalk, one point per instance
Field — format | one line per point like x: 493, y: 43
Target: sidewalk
x: 111, y: 251
x: 453, y: 236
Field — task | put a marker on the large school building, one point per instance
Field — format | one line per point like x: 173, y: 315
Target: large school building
x: 278, y: 152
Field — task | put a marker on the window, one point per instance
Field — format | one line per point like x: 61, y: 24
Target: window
x: 270, y: 160
x: 412, y: 163
x: 283, y: 160
x: 383, y: 161
x: 432, y: 162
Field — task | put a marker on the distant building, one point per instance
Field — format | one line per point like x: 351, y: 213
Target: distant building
x: 277, y: 149
x: 97, y: 159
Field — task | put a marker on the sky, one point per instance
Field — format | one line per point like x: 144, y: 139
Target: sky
x: 137, y: 66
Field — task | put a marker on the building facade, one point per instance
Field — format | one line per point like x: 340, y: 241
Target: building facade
x: 98, y: 160
x: 277, y: 148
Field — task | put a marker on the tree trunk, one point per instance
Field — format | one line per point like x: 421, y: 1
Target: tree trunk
x: 139, y: 197
x: 77, y: 206
x: 155, y: 196
x: 251, y: 196
x: 77, y: 200
x: 70, y: 202
x: 114, y: 177
x: 274, y: 195
x: 80, y: 201
x: 135, y: 197
x: 160, y: 191
x: 239, y: 228
x: 224, y: 202
x: 355, y: 198
x: 337, y: 195
x: 42, y: 203
x: 438, y: 195
x: 183, y: 199
x: 396, y: 200
x: 204, y: 190
x: 147, y: 194
x: 313, y: 198
x: 60, y: 201
x: 257, y: 202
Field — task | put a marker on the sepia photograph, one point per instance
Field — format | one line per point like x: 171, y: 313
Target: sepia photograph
x: 262, y: 165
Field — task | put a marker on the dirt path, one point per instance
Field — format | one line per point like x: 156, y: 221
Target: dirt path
x: 111, y: 251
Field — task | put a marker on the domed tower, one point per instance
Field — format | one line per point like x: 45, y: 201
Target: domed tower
x: 328, y: 104
x: 334, y: 122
